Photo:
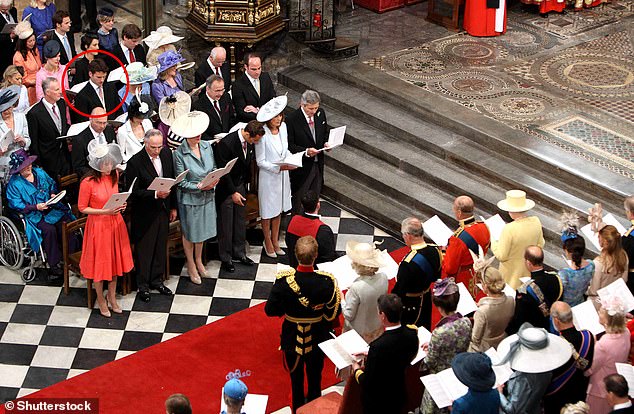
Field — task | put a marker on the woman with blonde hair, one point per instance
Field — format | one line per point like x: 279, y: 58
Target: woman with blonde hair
x: 13, y: 76
x: 359, y: 307
x: 494, y: 311
x: 613, y: 347
x: 611, y: 264
x: 576, y: 408
x: 41, y: 18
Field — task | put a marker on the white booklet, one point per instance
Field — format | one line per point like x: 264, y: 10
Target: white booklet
x: 620, y: 289
x: 118, y: 199
x: 502, y: 372
x: 216, y: 174
x: 594, y: 237
x: 57, y: 198
x: 253, y: 403
x: 424, y: 336
x: 466, y: 304
x: 495, y: 225
x: 6, y: 140
x: 437, y: 230
x: 335, y: 138
x: 585, y: 316
x: 508, y: 290
x: 165, y: 184
x: 293, y: 160
x: 341, y: 269
x: 341, y: 349
x: 628, y: 372
x: 75, y: 130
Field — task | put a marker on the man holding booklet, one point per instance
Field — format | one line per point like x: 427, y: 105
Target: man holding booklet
x: 309, y: 301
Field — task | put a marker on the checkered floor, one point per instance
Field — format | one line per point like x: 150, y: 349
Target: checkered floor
x: 47, y: 337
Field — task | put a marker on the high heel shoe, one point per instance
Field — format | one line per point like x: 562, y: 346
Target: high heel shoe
x: 280, y: 252
x: 115, y: 309
x: 193, y: 275
x: 271, y: 255
x: 105, y: 313
x: 202, y: 272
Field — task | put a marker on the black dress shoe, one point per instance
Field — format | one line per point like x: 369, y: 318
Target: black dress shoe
x: 164, y: 290
x: 244, y: 260
x: 227, y: 267
x: 144, y: 295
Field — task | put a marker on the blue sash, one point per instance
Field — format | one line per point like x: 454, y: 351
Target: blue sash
x: 469, y: 241
x: 558, y: 382
x: 422, y: 262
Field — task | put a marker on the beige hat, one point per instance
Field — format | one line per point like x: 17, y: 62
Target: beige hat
x: 533, y: 350
x: 174, y: 106
x: 100, y: 153
x: 23, y: 30
x: 364, y: 254
x: 191, y: 124
x: 516, y: 202
x: 272, y: 108
x: 162, y: 36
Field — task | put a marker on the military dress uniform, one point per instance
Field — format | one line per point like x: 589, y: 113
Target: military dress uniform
x: 627, y: 241
x: 309, y: 301
x: 418, y: 270
x: 457, y: 261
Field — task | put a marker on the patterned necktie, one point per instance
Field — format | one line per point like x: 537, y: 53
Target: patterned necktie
x: 100, y: 93
x: 311, y: 125
x: 216, y: 107
x: 132, y: 58
x: 56, y: 118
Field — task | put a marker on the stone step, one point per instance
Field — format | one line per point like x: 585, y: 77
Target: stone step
x: 406, y: 126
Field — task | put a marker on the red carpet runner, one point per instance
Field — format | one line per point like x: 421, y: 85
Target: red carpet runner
x: 195, y: 364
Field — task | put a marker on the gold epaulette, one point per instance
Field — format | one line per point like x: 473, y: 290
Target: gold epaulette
x: 285, y: 273
x: 410, y: 256
x: 458, y: 231
x: 411, y: 326
x: 323, y: 273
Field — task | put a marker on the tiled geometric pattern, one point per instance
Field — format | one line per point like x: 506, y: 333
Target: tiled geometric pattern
x: 47, y: 337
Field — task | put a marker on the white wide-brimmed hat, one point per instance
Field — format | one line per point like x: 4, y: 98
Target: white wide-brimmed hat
x: 534, y: 350
x: 364, y: 254
x: 191, y: 124
x: 272, y: 108
x: 162, y: 36
x: 99, y: 153
x: 516, y: 202
x: 174, y: 106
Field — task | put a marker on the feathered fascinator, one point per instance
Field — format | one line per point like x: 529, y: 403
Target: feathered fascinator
x: 569, y: 225
x: 595, y: 217
x: 613, y: 304
x: 480, y: 262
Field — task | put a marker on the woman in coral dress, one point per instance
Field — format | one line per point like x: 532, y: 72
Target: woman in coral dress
x: 106, y: 251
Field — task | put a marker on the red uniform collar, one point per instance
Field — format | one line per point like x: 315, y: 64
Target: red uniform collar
x: 303, y: 268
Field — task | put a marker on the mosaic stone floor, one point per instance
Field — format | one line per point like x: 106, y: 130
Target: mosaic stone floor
x: 567, y: 79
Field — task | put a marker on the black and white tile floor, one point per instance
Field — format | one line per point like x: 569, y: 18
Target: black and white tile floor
x: 47, y: 337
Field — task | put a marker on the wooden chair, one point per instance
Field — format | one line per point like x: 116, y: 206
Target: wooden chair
x: 252, y: 214
x: 70, y: 183
x: 71, y: 260
x: 174, y: 245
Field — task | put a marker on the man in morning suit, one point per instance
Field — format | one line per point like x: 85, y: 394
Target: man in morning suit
x: 618, y: 394
x: 309, y: 224
x: 568, y: 383
x: 47, y: 121
x: 535, y: 297
x: 418, y: 270
x: 382, y: 377
x: 251, y: 90
x: 627, y: 240
x: 217, y: 104
x: 152, y: 211
x: 61, y: 34
x: 8, y: 14
x: 231, y: 192
x: 97, y: 93
x: 97, y: 129
x: 471, y: 236
x: 216, y: 64
x: 307, y: 133
x: 129, y: 49
x: 309, y: 301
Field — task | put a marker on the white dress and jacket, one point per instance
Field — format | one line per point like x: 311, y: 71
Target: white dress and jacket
x: 359, y: 308
x: 20, y: 128
x: 130, y: 143
x: 274, y: 186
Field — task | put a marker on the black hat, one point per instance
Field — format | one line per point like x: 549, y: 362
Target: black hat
x: 51, y: 49
x: 106, y: 11
x: 474, y: 370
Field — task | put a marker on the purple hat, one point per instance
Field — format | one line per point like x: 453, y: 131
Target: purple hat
x: 19, y: 160
x: 444, y: 287
x: 170, y: 59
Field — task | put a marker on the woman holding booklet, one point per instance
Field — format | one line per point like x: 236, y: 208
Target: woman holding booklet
x: 610, y: 265
x: 106, y: 250
x: 196, y: 206
x: 274, y: 187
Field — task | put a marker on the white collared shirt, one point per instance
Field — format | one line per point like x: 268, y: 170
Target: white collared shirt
x: 626, y: 404
x: 96, y: 88
x: 212, y: 103
x: 306, y: 116
x: 98, y: 136
x: 391, y: 328
x: 8, y: 17
x: 56, y: 119
x: 69, y: 52
x: 252, y: 80
x: 213, y: 69
x: 126, y: 52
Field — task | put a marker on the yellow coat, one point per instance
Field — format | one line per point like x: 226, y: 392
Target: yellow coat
x: 509, y: 250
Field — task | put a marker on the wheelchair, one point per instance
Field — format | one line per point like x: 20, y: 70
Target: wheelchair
x: 14, y: 247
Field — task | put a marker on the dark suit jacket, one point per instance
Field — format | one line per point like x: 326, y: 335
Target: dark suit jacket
x: 145, y: 206
x: 204, y: 71
x: 217, y: 124
x: 81, y: 71
x: 7, y: 45
x: 628, y: 410
x: 383, y: 379
x: 63, y: 58
x: 139, y: 55
x: 52, y: 153
x: 87, y: 99
x: 80, y: 149
x: 244, y: 94
x: 300, y: 138
x: 226, y: 150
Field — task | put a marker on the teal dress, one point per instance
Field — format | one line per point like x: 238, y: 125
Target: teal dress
x: 196, y: 208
